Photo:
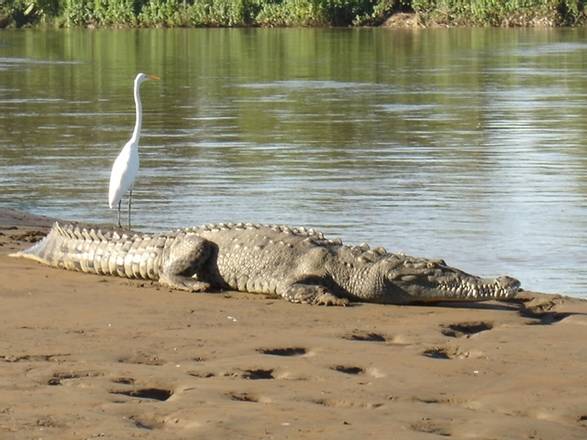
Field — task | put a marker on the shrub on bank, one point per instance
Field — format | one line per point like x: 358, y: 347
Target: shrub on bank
x: 288, y: 12
x: 501, y: 13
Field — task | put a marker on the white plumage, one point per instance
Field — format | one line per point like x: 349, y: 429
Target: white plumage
x: 126, y: 165
x: 124, y: 172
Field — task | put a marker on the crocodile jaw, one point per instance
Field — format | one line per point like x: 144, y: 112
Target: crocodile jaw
x: 475, y: 289
x: 456, y: 287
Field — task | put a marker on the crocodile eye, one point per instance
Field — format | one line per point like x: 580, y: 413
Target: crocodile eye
x: 393, y: 275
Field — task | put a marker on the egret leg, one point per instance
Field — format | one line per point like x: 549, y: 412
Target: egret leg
x: 119, y: 213
x: 129, y: 203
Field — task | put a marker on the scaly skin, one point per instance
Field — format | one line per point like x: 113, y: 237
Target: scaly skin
x: 297, y: 264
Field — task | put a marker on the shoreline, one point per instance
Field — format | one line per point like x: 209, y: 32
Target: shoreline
x: 88, y: 356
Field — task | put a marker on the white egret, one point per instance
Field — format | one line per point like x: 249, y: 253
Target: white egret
x: 126, y: 165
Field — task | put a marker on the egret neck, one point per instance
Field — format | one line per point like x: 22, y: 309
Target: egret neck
x: 136, y: 134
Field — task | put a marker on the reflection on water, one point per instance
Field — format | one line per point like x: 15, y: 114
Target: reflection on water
x: 464, y: 144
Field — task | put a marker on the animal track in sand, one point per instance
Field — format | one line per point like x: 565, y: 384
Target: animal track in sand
x: 289, y: 351
x: 448, y: 352
x: 466, y: 329
x: 147, y: 393
x: 543, y: 310
x: 440, y: 400
x: 429, y: 400
x: 243, y: 397
x: 124, y: 380
x: 59, y: 377
x: 359, y: 335
x: 141, y: 358
x: 202, y: 374
x: 251, y: 374
x: 340, y: 403
x: 438, y: 353
x: 430, y: 427
x: 548, y: 318
x: 143, y: 423
x: 32, y: 357
x: 257, y: 374
x: 348, y: 370
x: 49, y: 422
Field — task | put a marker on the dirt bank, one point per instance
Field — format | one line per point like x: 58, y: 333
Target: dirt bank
x: 88, y: 357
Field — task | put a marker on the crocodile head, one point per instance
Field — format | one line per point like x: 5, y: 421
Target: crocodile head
x: 416, y: 280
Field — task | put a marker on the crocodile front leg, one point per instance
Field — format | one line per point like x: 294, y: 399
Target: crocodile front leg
x: 312, y: 294
x: 183, y: 262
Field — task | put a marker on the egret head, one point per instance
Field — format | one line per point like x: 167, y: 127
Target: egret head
x: 141, y: 77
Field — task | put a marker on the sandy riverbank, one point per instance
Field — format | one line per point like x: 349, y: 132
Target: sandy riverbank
x: 88, y: 357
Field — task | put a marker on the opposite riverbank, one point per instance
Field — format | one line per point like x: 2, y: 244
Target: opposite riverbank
x: 272, y: 13
x: 86, y: 356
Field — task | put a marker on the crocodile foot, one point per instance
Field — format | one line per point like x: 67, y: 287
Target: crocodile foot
x: 184, y: 283
x: 328, y: 299
x: 308, y: 294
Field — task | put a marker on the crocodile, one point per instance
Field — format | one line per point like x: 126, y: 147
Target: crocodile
x: 298, y: 264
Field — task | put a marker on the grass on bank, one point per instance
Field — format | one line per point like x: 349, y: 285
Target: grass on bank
x: 229, y: 13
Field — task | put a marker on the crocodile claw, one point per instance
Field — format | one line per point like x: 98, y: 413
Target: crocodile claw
x: 328, y: 299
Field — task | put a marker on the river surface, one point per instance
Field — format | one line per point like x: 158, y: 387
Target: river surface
x: 466, y: 144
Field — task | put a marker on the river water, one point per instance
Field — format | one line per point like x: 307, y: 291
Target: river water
x: 466, y: 144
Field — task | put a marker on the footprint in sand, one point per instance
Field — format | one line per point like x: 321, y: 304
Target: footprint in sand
x: 159, y: 394
x: 429, y: 426
x: 289, y: 351
x: 466, y: 329
x: 257, y: 374
x: 202, y: 374
x: 58, y: 378
x: 243, y: 397
x: 250, y: 374
x: 341, y: 403
x: 449, y: 352
x: 124, y: 380
x: 359, y: 335
x: 548, y: 318
x: 32, y: 357
x: 146, y: 423
x: 348, y: 370
x: 439, y: 353
x: 141, y: 358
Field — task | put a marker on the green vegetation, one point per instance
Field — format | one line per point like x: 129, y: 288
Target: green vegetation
x: 174, y: 13
x: 502, y: 13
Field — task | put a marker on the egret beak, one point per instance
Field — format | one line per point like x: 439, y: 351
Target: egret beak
x: 155, y: 77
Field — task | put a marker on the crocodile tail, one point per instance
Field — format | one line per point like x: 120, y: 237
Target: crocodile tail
x: 93, y: 251
x: 41, y: 250
x: 69, y: 247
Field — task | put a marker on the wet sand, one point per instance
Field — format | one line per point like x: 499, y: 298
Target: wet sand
x: 93, y: 357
